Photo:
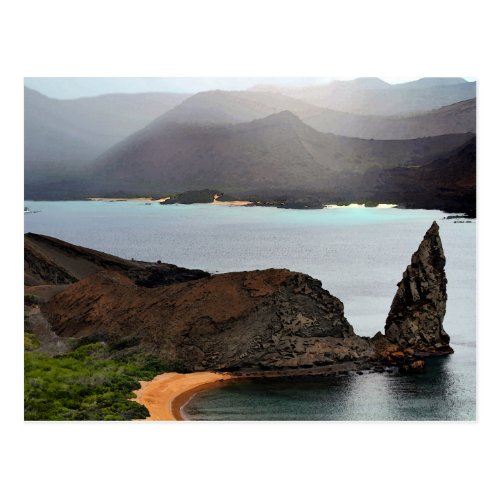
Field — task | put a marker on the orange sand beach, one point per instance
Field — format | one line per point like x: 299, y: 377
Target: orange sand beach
x: 166, y: 394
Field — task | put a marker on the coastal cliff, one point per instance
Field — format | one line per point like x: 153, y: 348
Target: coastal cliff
x: 272, y: 320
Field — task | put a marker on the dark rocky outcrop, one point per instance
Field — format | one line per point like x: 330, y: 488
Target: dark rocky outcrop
x: 258, y: 320
x: 415, y: 320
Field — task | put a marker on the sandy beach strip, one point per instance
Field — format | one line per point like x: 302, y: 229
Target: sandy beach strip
x: 142, y: 200
x: 236, y: 203
x: 166, y: 394
x: 358, y: 205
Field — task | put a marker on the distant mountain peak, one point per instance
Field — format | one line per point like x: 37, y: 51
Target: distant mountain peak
x: 369, y: 83
x: 282, y: 118
x: 283, y: 115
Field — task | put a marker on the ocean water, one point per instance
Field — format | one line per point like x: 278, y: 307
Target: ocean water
x: 358, y: 254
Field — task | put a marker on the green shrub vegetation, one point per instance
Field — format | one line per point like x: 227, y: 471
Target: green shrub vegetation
x: 31, y: 343
x: 85, y: 384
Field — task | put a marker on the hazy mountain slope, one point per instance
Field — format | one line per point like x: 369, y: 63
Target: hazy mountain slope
x: 324, y: 91
x: 373, y: 96
x: 61, y: 136
x: 223, y: 107
x: 424, y: 83
x: 74, y: 131
x: 229, y: 107
x: 448, y: 183
x: 278, y: 152
x: 456, y: 118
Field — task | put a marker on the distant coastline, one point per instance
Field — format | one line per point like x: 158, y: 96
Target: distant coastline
x: 458, y: 212
x: 284, y: 200
x: 299, y: 204
x: 242, y: 203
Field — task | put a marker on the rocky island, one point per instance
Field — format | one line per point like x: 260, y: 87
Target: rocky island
x: 271, y: 322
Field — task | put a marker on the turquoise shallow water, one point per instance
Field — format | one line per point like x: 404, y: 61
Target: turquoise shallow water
x: 358, y: 254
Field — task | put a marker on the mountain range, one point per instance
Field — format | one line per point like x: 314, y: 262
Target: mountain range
x: 373, y: 96
x: 77, y: 130
x: 223, y: 107
x: 254, y: 143
x: 276, y: 154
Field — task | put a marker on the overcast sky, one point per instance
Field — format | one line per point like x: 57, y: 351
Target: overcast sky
x: 70, y: 88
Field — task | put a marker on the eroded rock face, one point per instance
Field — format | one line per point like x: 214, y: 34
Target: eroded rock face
x: 416, y: 316
x: 259, y: 320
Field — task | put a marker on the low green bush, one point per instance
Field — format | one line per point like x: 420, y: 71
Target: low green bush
x: 85, y: 384
x: 31, y: 343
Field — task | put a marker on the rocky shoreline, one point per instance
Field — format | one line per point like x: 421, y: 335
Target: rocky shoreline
x: 165, y: 397
x: 305, y: 201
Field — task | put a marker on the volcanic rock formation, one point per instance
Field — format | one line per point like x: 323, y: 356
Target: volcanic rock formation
x: 272, y: 319
x: 416, y: 316
x: 257, y: 321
